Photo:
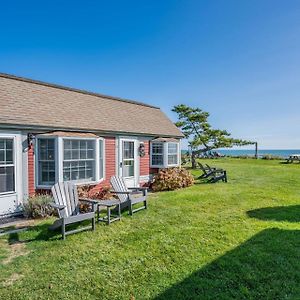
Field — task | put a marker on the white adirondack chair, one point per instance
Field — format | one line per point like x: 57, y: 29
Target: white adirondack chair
x: 67, y: 204
x: 129, y: 196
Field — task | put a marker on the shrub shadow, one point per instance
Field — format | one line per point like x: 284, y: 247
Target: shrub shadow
x: 264, y: 267
x: 277, y: 213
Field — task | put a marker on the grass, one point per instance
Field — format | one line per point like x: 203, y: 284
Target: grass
x: 239, y: 240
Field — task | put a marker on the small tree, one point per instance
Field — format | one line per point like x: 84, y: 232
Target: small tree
x: 201, y: 136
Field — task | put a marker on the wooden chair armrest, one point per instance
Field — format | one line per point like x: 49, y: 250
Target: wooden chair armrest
x: 117, y: 192
x: 138, y: 188
x: 57, y: 206
x: 92, y: 201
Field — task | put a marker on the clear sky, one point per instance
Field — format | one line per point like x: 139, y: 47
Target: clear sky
x: 239, y: 60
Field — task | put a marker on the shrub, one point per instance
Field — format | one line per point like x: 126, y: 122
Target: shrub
x: 172, y: 179
x: 92, y: 192
x: 38, y: 206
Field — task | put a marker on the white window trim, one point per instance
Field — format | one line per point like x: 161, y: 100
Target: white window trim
x: 36, y: 169
x: 18, y: 193
x: 165, y: 155
x: 14, y: 164
x: 59, y: 156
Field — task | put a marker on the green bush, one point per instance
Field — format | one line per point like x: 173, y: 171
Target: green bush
x: 38, y: 206
x: 271, y: 157
x: 172, y: 179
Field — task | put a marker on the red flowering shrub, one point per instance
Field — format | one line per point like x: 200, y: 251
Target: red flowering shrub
x: 95, y: 192
x: 172, y: 179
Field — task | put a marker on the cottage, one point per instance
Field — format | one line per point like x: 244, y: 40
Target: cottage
x: 51, y: 133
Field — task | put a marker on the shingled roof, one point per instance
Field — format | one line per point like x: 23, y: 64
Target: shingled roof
x: 31, y: 103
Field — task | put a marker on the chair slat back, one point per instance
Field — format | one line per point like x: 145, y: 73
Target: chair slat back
x: 208, y: 167
x: 65, y: 193
x: 202, y: 168
x: 118, y: 184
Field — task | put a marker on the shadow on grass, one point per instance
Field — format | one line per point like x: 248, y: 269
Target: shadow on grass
x: 264, y: 267
x: 42, y: 233
x: 277, y: 213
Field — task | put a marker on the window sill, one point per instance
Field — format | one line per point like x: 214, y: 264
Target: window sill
x: 164, y: 167
x: 77, y: 183
x: 7, y: 194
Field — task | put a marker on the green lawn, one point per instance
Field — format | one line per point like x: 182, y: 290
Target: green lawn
x: 239, y: 240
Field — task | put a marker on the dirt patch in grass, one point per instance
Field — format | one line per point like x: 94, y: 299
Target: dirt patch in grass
x: 12, y: 279
x: 15, y: 250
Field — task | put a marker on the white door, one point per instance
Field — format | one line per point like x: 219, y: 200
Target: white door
x: 129, y: 162
x: 9, y: 170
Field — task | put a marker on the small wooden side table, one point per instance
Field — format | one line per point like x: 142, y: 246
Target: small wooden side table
x: 108, y: 205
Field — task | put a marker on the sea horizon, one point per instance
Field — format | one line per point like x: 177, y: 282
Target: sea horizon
x: 284, y: 153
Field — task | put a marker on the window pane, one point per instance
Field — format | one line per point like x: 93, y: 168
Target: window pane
x: 2, y: 156
x: 47, y: 172
x: 157, y: 148
x: 46, y: 161
x: 172, y: 148
x: 128, y: 150
x: 67, y: 154
x: 90, y: 154
x: 128, y: 168
x: 9, y: 156
x: 6, y: 151
x: 79, y: 161
x: 75, y: 149
x: 89, y: 169
x: 7, y: 179
x: 83, y: 154
x: 9, y: 144
x: 67, y: 144
x: 172, y: 159
x: 157, y: 160
x: 67, y: 171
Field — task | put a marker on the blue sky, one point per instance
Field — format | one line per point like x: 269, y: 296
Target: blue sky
x: 239, y: 60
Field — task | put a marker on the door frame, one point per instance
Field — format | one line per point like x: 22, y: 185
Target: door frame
x: 136, y: 176
x: 18, y: 150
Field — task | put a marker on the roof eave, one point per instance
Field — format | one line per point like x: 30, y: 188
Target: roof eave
x: 37, y: 128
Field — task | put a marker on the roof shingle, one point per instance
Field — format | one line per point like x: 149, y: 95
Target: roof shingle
x: 26, y: 102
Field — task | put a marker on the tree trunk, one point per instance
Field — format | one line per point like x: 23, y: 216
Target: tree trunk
x: 194, y: 166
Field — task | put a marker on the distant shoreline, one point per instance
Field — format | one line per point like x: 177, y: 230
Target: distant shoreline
x: 261, y: 153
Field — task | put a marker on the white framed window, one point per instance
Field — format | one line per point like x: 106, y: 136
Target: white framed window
x: 79, y: 159
x: 157, y: 154
x: 69, y: 159
x: 173, y: 154
x: 164, y: 154
x: 7, y: 166
x: 128, y: 159
x: 46, y: 157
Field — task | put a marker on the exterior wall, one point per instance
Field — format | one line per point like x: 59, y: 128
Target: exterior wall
x: 145, y: 161
x: 145, y: 172
x: 31, y: 182
x: 110, y: 159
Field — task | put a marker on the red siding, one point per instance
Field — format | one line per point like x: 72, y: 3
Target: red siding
x: 31, y: 185
x: 110, y: 159
x: 145, y: 161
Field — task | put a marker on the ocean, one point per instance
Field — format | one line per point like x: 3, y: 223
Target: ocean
x: 281, y: 153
